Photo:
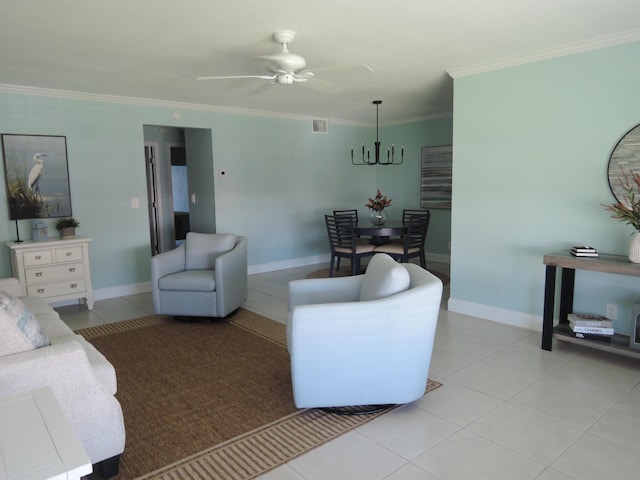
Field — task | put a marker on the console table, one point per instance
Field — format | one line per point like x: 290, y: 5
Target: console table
x: 568, y: 264
x: 36, y: 440
x: 54, y: 270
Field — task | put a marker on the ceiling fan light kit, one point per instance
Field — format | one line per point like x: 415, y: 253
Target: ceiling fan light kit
x: 391, y: 152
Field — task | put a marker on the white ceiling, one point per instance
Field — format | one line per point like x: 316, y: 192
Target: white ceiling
x: 154, y: 49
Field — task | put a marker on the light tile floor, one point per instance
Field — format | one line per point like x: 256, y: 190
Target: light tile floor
x: 506, y: 410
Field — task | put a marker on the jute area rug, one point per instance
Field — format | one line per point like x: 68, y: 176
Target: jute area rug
x: 210, y: 400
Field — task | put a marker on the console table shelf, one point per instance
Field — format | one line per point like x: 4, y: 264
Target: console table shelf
x: 615, y: 344
x: 568, y: 264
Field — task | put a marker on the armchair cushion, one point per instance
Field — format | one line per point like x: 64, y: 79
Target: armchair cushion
x: 384, y: 277
x: 189, y: 281
x: 203, y: 249
x: 18, y: 329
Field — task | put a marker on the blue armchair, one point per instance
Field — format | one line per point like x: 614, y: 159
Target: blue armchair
x: 365, y: 339
x: 206, y: 276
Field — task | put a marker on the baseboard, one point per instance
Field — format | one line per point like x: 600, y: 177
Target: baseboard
x: 500, y: 315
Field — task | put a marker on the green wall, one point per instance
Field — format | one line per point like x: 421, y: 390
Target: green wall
x: 281, y: 177
x: 531, y: 146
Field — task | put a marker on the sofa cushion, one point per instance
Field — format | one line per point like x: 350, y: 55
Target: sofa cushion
x: 384, y: 277
x: 47, y: 317
x: 204, y: 248
x: 19, y: 331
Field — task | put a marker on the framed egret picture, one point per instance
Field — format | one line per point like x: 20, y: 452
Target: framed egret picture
x: 36, y: 173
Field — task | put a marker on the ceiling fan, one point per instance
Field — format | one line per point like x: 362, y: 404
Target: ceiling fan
x: 286, y: 68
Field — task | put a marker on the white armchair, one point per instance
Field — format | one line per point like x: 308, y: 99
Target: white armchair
x: 206, y: 276
x: 365, y: 339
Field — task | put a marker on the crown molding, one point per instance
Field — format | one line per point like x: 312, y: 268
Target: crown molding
x: 177, y: 106
x: 629, y: 36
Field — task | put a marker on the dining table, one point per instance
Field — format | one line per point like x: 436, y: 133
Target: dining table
x: 380, y: 234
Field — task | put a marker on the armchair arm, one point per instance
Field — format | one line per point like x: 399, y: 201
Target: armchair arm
x: 163, y: 264
x: 12, y: 286
x: 231, y: 278
x: 324, y: 290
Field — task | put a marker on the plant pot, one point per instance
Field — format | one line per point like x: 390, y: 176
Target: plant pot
x: 634, y: 248
x: 67, y: 233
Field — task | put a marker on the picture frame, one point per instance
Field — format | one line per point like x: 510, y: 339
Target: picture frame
x: 436, y: 177
x: 36, y: 172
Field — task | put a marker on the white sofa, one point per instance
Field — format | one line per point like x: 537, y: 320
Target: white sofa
x: 365, y: 339
x: 81, y: 378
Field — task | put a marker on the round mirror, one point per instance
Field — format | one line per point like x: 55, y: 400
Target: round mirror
x: 624, y: 159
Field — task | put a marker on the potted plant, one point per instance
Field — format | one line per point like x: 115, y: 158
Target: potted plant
x: 66, y: 227
x: 377, y: 205
x: 627, y: 209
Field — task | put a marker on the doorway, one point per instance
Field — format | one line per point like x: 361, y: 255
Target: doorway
x: 180, y: 186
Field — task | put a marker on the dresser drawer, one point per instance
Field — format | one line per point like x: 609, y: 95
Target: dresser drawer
x: 72, y: 253
x: 54, y: 289
x: 37, y: 257
x: 53, y: 272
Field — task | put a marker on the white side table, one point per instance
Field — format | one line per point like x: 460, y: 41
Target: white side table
x: 36, y: 440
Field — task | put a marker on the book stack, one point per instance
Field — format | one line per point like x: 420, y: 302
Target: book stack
x: 583, y: 251
x: 587, y: 325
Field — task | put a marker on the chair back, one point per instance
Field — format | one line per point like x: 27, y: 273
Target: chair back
x: 352, y: 213
x: 407, y: 213
x: 418, y: 225
x: 340, y: 231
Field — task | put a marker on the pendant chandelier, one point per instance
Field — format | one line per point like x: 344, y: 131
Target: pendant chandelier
x: 376, y: 160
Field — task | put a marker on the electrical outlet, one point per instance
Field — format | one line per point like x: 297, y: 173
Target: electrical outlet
x: 612, y: 311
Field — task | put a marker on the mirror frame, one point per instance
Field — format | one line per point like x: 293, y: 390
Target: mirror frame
x: 624, y: 158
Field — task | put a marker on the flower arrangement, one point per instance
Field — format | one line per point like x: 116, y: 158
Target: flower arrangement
x: 628, y: 210
x: 378, y: 203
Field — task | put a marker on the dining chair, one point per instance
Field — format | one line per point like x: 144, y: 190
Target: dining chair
x: 408, y: 212
x: 344, y: 244
x: 352, y: 212
x: 412, y: 244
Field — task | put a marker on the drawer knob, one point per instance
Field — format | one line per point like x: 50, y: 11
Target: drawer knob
x: 41, y: 290
x: 38, y: 274
x: 74, y: 285
x: 68, y: 254
x: 38, y: 257
x: 72, y: 270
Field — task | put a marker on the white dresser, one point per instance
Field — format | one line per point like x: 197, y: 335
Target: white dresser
x: 54, y: 270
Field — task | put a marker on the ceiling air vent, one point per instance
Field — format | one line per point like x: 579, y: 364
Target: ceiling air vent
x: 320, y: 125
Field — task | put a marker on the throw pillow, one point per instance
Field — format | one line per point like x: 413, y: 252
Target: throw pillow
x: 204, y: 248
x: 19, y: 331
x: 384, y: 277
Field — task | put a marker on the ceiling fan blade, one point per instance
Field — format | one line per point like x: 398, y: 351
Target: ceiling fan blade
x: 225, y: 77
x: 303, y: 76
x: 344, y: 67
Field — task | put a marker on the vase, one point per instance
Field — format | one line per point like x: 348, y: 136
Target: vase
x: 634, y: 248
x: 378, y: 217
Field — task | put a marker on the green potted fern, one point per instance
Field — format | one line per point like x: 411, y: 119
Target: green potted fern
x: 66, y: 227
